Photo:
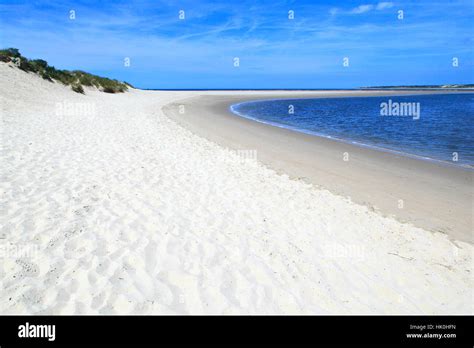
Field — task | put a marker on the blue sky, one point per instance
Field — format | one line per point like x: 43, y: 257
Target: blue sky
x: 274, y: 51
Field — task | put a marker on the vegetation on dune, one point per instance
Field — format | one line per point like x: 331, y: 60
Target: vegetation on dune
x: 76, y: 79
x: 77, y: 88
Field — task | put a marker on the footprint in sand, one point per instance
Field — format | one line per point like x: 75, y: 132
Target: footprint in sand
x: 28, y: 268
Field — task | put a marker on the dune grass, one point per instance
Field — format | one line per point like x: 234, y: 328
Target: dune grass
x: 76, y: 79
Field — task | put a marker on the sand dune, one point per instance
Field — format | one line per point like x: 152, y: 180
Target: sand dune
x: 108, y: 206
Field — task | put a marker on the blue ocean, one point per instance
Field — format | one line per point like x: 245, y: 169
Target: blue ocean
x: 434, y: 127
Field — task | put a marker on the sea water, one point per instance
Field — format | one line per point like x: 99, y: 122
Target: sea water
x: 434, y: 127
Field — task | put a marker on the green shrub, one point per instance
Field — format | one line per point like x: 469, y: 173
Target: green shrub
x: 77, y: 88
x: 108, y: 90
x: 85, y: 78
x: 7, y: 55
x: 39, y: 64
x: 26, y: 66
x: 45, y: 76
x: 10, y: 52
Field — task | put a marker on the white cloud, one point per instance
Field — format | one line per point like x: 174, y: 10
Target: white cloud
x: 383, y: 5
x: 367, y: 7
x: 362, y: 9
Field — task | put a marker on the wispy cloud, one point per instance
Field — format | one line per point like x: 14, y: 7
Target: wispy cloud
x: 198, y: 51
x: 384, y: 5
x: 362, y: 9
x: 370, y: 7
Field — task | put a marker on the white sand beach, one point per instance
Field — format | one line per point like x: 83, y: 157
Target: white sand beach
x: 108, y: 206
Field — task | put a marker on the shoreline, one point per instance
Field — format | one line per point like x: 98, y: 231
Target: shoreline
x: 434, y: 195
x: 468, y: 167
